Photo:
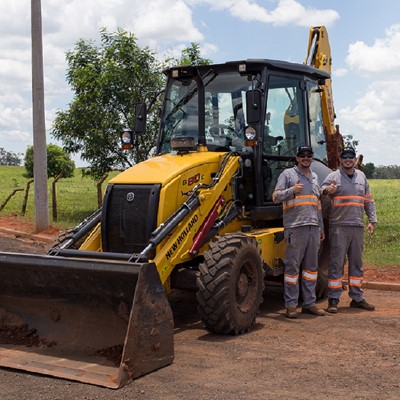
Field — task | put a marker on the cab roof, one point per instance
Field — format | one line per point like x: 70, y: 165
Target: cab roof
x: 254, y: 64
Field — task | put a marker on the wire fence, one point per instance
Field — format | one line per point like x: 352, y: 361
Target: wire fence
x: 70, y: 200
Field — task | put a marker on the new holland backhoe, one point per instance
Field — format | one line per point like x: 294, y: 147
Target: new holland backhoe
x: 197, y: 215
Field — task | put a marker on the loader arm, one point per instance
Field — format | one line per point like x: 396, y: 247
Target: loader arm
x: 177, y: 248
x: 319, y: 56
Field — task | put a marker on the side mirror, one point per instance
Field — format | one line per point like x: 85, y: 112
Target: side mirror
x: 140, y: 118
x: 254, y: 109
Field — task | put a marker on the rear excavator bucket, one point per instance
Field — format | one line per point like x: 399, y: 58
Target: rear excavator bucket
x: 89, y: 320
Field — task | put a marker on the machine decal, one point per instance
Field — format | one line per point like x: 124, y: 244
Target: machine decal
x: 192, y: 180
x: 181, y: 237
x: 130, y: 197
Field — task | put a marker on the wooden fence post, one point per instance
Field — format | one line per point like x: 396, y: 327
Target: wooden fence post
x: 9, y: 197
x: 28, y: 184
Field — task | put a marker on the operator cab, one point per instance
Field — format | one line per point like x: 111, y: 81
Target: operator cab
x: 261, y: 109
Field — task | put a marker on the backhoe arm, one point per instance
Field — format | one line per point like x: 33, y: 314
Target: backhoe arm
x: 319, y: 56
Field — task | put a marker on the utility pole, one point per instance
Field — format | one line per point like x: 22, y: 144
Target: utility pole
x: 39, y: 126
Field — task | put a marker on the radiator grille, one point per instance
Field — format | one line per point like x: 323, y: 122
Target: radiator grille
x: 129, y: 217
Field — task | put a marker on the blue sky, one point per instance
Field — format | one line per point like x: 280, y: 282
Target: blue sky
x: 364, y: 37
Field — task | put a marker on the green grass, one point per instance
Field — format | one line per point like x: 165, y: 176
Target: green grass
x: 77, y: 199
x: 383, y: 248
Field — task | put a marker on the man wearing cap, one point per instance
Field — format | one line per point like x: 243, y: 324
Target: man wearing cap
x: 350, y: 196
x: 297, y: 189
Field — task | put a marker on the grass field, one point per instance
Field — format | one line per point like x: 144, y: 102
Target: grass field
x: 383, y: 248
x: 77, y: 198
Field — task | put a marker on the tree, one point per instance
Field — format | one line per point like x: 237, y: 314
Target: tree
x: 9, y: 158
x: 369, y: 170
x: 58, y: 162
x: 108, y: 80
x: 191, y: 56
x: 387, y: 172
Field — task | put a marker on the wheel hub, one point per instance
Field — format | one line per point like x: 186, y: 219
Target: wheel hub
x: 243, y: 285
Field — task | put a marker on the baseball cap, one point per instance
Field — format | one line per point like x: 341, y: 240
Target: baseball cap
x: 304, y: 149
x: 348, y: 149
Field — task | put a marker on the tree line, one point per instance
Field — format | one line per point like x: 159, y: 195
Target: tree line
x: 9, y: 158
x: 382, y: 171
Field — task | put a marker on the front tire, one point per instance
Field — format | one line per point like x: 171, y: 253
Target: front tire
x: 64, y: 237
x: 230, y: 284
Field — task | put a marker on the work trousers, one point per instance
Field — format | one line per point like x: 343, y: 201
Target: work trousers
x: 302, y: 244
x: 346, y: 240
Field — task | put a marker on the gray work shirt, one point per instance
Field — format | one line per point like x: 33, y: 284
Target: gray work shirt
x: 301, y: 209
x: 351, y: 199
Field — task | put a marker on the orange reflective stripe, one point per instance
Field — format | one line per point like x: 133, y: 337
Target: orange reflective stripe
x: 306, y: 196
x: 335, y: 283
x: 348, y: 204
x: 368, y: 198
x: 355, y: 281
x: 344, y: 201
x: 309, y: 275
x: 291, y: 279
x: 350, y: 197
x: 300, y: 201
x: 299, y: 205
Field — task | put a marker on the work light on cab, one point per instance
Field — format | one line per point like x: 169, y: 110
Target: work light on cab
x: 127, y: 139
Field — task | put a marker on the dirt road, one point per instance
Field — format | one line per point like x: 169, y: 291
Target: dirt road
x: 354, y: 355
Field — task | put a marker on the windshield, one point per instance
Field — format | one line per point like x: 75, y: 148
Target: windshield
x: 225, y: 104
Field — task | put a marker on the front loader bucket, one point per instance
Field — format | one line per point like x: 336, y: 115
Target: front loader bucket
x: 93, y: 321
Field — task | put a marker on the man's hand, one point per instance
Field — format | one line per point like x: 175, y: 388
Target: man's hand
x: 321, y: 235
x: 331, y: 189
x: 371, y: 228
x: 297, y: 187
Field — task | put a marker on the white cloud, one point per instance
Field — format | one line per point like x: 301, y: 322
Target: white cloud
x: 286, y: 12
x: 375, y: 119
x: 291, y: 11
x: 375, y: 122
x: 382, y: 58
x: 162, y: 22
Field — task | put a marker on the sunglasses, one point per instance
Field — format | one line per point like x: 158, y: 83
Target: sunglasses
x: 347, y: 156
x: 305, y: 155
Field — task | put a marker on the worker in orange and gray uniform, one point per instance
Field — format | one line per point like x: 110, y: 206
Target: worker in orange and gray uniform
x: 298, y: 189
x: 350, y: 196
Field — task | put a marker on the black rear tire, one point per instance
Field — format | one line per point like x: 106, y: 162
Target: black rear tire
x: 230, y: 284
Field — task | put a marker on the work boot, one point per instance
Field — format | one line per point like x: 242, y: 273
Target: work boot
x: 291, y: 313
x: 332, y: 306
x: 313, y: 310
x: 362, y: 304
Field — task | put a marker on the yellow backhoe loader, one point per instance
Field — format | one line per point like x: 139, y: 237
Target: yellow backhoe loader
x: 198, y: 215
